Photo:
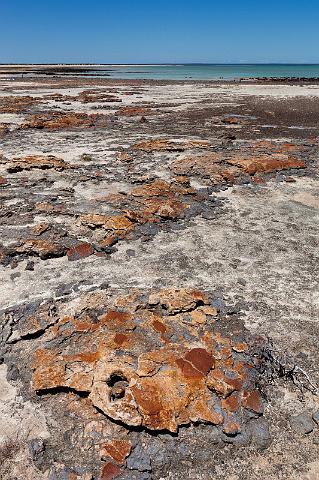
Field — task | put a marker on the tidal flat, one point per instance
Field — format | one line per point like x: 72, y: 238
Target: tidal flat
x: 159, y: 267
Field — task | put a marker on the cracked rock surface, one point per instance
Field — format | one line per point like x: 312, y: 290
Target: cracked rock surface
x: 159, y: 248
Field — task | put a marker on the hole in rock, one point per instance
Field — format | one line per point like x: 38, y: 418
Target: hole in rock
x: 118, y: 383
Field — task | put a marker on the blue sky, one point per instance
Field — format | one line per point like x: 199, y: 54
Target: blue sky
x: 140, y: 31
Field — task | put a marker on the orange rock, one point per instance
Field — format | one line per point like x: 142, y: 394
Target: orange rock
x: 267, y: 163
x: 81, y: 250
x: 134, y: 111
x: 40, y: 228
x: 110, y: 471
x: 116, y: 222
x: 145, y: 363
x: 208, y: 310
x: 156, y: 188
x: 171, y: 209
x: 149, y: 400
x: 198, y: 165
x: 93, y: 220
x: 115, y: 317
x: 158, y: 145
x: 198, y: 317
x: 118, y: 450
x: 124, y: 157
x: 252, y: 401
x: 42, y: 248
x: 240, y: 347
x: 49, y: 370
x: 120, y: 339
x: 119, y: 222
x: 89, y: 96
x: 200, y: 359
x: 231, y: 403
x: 201, y: 412
x: 220, y: 383
x: 109, y: 241
x: 159, y: 326
x: 36, y: 161
x: 232, y: 120
x: 17, y: 104
x: 188, y: 370
x: 182, y: 179
x: 231, y: 426
x: 57, y: 120
x: 175, y: 301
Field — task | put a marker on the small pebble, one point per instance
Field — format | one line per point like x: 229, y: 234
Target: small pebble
x: 259, y: 431
x: 315, y: 417
x: 302, y: 423
x: 30, y: 265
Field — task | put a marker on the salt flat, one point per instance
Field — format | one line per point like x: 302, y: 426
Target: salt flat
x: 153, y: 234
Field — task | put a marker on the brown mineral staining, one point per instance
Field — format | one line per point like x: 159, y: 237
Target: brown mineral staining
x: 115, y: 223
x: 134, y: 111
x: 200, y: 359
x: 90, y: 96
x: 36, y: 161
x: 154, y: 202
x: 232, y: 120
x: 160, y: 145
x: 17, y: 104
x: 253, y: 159
x: 175, y: 301
x: 240, y: 347
x: 118, y: 450
x: 120, y: 339
x: 188, y: 370
x: 82, y: 250
x: 151, y: 202
x: 198, y: 164
x: 219, y: 382
x: 4, y: 129
x: 3, y: 181
x: 110, y: 471
x: 109, y: 241
x: 140, y: 378
x: 231, y: 427
x: 252, y: 401
x: 56, y: 120
x: 124, y: 157
x: 159, y: 326
x: 231, y: 403
x: 50, y: 372
x: 42, y: 248
x: 154, y: 189
x: 267, y: 163
x: 40, y: 228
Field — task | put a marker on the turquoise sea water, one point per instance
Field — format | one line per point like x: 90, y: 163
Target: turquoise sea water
x: 205, y: 71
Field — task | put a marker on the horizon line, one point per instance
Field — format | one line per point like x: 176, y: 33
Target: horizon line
x: 162, y: 64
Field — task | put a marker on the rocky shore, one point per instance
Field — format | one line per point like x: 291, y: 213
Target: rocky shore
x: 159, y: 263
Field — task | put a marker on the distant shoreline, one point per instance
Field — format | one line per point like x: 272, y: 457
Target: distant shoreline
x: 168, y: 72
x: 151, y: 64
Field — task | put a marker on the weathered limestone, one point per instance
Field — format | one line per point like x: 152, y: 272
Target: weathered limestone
x: 155, y: 360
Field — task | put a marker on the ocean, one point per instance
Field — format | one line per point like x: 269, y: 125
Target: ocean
x: 205, y: 71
